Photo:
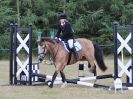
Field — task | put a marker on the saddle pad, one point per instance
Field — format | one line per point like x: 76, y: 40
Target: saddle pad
x: 77, y: 45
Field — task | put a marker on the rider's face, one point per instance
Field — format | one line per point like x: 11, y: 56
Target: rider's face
x: 62, y: 22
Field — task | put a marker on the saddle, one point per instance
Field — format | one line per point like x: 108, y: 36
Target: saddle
x: 77, y: 46
x: 74, y: 51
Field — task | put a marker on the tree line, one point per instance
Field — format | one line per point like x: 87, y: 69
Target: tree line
x: 90, y: 18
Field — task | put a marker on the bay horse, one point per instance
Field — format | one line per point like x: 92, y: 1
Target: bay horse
x: 89, y: 52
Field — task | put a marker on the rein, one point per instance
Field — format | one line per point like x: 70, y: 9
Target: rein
x: 57, y: 48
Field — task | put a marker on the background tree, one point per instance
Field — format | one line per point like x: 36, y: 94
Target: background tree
x: 6, y: 15
x: 90, y: 18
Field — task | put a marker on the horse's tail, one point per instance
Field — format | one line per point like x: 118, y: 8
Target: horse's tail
x: 99, y: 57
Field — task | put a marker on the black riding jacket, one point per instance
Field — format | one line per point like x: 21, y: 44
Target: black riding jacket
x: 66, y: 30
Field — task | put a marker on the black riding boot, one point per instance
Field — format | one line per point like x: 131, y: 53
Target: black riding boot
x: 75, y: 53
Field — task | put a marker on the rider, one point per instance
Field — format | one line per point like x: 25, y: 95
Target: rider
x: 67, y: 31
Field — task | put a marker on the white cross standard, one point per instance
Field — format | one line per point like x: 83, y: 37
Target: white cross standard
x: 24, y: 64
x: 124, y: 44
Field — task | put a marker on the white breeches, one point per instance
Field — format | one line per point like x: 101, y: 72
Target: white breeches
x: 71, y: 43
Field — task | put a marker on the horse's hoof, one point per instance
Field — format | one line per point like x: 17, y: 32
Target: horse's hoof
x: 64, y: 85
x: 48, y: 82
x: 50, y: 86
x: 92, y: 70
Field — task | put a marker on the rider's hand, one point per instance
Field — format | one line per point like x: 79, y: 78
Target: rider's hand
x: 56, y: 38
x: 59, y: 39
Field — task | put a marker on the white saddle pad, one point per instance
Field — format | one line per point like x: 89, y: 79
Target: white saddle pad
x: 77, y: 45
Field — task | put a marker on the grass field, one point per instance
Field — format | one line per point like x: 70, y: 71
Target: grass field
x: 70, y: 92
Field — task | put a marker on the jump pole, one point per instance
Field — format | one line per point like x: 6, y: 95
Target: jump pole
x: 78, y: 81
x: 48, y: 77
x: 87, y: 84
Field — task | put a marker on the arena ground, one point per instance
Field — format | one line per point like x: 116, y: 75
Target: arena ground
x: 70, y: 92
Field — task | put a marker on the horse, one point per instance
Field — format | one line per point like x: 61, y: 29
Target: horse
x: 90, y: 52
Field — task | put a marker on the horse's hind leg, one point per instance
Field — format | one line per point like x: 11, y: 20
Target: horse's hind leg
x: 95, y: 73
x: 91, y: 62
x: 63, y: 79
x: 94, y: 70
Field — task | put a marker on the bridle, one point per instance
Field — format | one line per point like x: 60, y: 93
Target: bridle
x: 54, y: 51
x: 42, y: 54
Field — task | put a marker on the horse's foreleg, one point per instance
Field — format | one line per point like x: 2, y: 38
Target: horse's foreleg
x: 53, y: 79
x: 58, y: 69
x: 63, y: 79
x: 63, y: 76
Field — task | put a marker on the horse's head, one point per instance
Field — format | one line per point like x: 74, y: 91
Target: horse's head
x: 45, y: 44
x: 42, y: 49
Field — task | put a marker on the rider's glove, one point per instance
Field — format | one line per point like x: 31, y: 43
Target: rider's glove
x: 57, y: 39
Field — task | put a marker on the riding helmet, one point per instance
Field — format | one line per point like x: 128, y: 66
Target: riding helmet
x: 62, y: 16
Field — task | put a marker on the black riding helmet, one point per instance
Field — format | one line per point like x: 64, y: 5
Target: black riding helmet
x: 62, y: 16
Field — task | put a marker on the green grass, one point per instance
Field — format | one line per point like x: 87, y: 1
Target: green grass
x: 70, y: 92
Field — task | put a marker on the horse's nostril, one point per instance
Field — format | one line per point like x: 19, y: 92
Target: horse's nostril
x: 41, y: 58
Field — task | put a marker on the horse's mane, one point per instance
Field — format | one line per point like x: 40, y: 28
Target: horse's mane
x: 48, y: 39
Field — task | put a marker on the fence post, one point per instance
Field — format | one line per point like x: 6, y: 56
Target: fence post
x: 30, y: 54
x: 115, y: 27
x: 11, y: 54
x: 132, y: 52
